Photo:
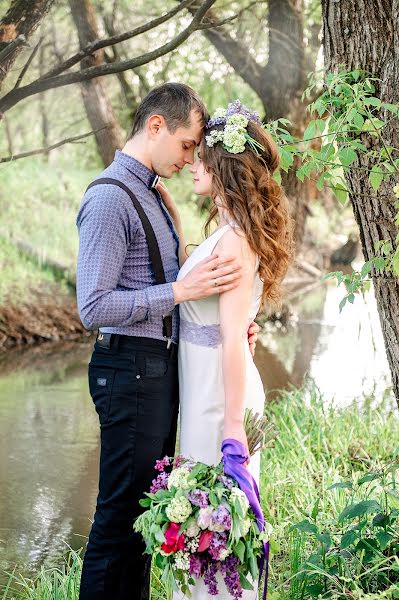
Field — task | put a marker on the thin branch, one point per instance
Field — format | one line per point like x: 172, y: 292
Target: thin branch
x: 70, y: 140
x: 116, y: 39
x: 41, y: 85
x: 214, y: 24
x: 27, y: 64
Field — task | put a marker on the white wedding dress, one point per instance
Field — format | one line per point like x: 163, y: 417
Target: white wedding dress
x: 201, y: 384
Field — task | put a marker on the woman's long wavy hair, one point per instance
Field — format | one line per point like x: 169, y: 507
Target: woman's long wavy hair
x: 256, y: 202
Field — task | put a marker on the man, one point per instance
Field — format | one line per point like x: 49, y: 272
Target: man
x: 133, y: 371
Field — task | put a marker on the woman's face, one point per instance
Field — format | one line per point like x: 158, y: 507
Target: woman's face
x: 202, y: 178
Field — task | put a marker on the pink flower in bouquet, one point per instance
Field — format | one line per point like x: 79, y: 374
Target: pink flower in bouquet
x: 204, y: 541
x: 174, y: 541
x: 204, y: 517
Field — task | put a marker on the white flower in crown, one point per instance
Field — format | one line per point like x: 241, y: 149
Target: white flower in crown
x: 234, y: 140
x: 220, y: 113
x: 214, y: 137
x: 238, y: 121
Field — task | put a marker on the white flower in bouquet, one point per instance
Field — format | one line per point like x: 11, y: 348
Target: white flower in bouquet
x: 192, y: 544
x: 182, y: 560
x: 223, y: 554
x: 178, y: 510
x: 180, y: 478
x: 204, y: 517
x: 245, y: 526
x: 237, y: 494
x: 192, y: 529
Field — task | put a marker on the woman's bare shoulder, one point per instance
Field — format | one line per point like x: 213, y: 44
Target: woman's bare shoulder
x: 234, y: 242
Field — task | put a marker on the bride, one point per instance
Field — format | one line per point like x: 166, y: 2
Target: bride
x: 217, y: 376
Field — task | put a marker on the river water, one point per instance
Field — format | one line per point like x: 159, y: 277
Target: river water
x: 49, y: 430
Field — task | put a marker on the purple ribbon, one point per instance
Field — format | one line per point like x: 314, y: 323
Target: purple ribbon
x: 233, y: 459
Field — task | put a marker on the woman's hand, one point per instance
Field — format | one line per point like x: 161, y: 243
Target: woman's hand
x: 237, y: 432
x: 168, y: 200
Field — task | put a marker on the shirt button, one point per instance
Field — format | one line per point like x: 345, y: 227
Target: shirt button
x: 137, y: 376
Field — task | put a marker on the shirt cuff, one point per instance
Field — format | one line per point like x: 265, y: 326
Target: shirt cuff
x: 159, y: 300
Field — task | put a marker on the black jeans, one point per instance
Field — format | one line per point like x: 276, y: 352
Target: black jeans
x: 135, y: 391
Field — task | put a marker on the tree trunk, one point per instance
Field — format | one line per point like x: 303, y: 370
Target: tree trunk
x: 20, y: 21
x: 364, y: 35
x: 98, y: 107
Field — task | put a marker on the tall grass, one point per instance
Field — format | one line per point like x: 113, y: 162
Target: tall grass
x: 317, y: 446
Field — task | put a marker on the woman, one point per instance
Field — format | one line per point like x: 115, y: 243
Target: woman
x: 217, y: 376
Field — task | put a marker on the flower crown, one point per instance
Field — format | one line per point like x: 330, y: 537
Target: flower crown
x: 234, y: 135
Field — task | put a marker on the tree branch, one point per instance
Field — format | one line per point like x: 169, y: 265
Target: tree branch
x: 70, y: 140
x: 41, y: 85
x: 27, y: 64
x: 116, y: 39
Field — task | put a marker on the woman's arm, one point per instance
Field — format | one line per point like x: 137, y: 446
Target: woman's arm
x: 234, y: 310
x: 174, y: 213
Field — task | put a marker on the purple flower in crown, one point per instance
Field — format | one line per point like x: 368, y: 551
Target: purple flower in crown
x: 236, y: 108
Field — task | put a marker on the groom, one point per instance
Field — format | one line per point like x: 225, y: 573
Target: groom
x: 126, y: 288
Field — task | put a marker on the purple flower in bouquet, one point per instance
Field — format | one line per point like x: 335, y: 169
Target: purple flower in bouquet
x: 228, y: 482
x: 210, y: 579
x: 161, y: 464
x: 231, y: 577
x: 236, y: 108
x: 198, y: 498
x: 159, y: 483
x: 179, y: 459
x: 220, y: 519
x: 197, y: 565
x: 217, y: 545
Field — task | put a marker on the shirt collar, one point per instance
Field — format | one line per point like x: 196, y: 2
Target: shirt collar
x: 146, y: 175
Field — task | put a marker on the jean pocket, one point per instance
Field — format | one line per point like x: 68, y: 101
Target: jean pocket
x: 101, y: 381
x: 155, y: 366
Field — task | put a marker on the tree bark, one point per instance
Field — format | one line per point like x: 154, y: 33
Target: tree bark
x: 365, y: 35
x: 96, y: 102
x: 20, y: 21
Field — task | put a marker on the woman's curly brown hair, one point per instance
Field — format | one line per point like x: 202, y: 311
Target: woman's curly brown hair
x: 256, y: 202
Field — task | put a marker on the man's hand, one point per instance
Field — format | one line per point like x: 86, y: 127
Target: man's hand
x: 213, y: 275
x: 253, y: 331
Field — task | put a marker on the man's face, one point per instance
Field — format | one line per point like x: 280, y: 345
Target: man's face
x: 170, y: 152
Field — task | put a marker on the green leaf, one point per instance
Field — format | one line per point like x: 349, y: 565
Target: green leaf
x: 342, y: 303
x: 305, y: 526
x: 379, y: 263
x: 358, y: 120
x: 213, y: 499
x: 239, y: 550
x: 348, y: 539
x: 375, y: 177
x: 310, y: 131
x: 368, y: 477
x: 245, y: 583
x: 347, y: 156
x: 315, y: 510
x: 360, y: 508
x: 145, y: 502
x: 393, y: 499
x: 366, y: 268
x: 372, y: 102
x: 341, y: 193
x: 341, y: 485
x: 383, y: 538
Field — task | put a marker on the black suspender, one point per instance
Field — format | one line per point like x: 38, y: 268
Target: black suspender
x: 153, y: 247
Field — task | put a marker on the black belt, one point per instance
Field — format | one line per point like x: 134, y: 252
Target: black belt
x: 115, y: 340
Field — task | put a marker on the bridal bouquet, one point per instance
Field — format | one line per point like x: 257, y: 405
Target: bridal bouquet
x: 201, y: 520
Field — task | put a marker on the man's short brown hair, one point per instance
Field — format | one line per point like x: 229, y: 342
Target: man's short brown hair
x: 174, y: 101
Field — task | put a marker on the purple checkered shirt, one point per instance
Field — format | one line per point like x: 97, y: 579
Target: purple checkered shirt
x: 116, y: 287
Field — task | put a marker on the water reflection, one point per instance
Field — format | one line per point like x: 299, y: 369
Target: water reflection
x: 49, y: 430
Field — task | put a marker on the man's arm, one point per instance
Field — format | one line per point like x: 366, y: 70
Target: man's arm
x: 105, y: 223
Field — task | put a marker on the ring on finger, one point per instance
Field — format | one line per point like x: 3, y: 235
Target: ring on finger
x: 215, y: 282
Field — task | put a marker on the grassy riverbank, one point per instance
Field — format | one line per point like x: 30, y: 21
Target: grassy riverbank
x: 317, y: 447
